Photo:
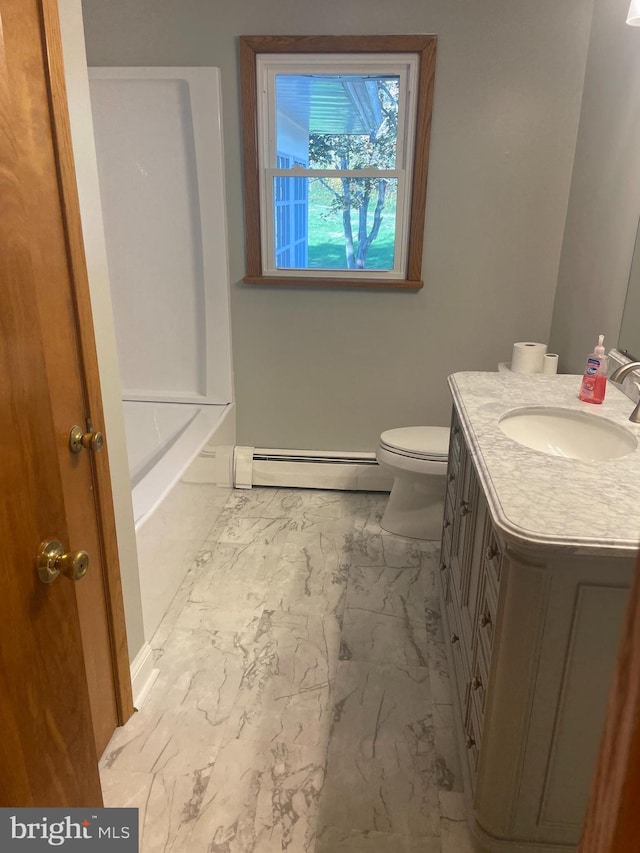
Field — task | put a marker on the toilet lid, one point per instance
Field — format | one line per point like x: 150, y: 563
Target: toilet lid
x: 421, y: 442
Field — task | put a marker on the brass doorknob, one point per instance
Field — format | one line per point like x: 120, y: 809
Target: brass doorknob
x: 79, y: 439
x: 52, y: 561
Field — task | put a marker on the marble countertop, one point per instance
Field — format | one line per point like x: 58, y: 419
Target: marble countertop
x: 539, y: 500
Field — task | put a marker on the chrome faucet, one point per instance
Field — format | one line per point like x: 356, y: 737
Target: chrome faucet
x: 618, y: 376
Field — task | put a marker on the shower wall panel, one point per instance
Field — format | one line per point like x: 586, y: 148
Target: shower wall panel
x: 159, y: 146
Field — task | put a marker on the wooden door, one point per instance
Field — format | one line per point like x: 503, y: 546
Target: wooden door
x: 64, y: 682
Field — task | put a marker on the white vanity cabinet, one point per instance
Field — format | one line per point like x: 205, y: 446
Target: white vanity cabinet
x: 533, y: 630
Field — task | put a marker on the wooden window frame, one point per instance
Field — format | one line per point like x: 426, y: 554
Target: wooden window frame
x: 250, y: 47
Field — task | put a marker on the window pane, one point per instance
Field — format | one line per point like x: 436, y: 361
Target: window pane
x: 335, y: 223
x: 338, y: 121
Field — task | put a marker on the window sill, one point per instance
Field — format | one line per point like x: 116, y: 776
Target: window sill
x: 309, y: 281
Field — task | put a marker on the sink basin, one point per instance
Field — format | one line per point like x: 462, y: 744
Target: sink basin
x: 568, y: 433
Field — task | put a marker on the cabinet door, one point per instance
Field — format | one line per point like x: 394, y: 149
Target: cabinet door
x: 473, y: 565
x: 458, y: 648
x: 462, y: 510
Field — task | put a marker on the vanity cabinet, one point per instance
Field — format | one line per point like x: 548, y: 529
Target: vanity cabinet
x: 532, y: 632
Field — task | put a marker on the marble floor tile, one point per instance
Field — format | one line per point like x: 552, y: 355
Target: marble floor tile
x: 245, y: 530
x: 303, y: 700
x: 254, y: 562
x: 453, y: 805
x: 261, y: 502
x: 294, y: 504
x: 381, y: 758
x: 431, y: 570
x: 237, y: 586
x: 153, y: 742
x: 389, y: 591
x: 382, y: 638
x: 441, y: 683
x: 433, y: 620
x: 199, y: 669
x: 320, y: 572
x: 430, y: 548
x: 183, y: 721
x: 326, y: 505
x: 331, y: 840
x: 287, y: 686
x: 269, y: 502
x: 456, y: 837
x: 372, y: 548
x: 448, y: 770
x: 364, y: 506
x: 168, y: 806
x: 261, y: 798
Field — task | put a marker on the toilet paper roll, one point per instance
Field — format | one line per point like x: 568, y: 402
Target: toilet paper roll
x: 550, y: 363
x: 527, y: 357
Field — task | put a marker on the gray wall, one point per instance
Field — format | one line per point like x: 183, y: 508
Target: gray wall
x: 327, y: 369
x: 605, y: 192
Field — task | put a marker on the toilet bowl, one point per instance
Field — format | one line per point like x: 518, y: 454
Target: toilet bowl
x: 417, y: 459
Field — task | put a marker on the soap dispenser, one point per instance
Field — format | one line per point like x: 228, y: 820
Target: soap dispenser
x: 594, y: 381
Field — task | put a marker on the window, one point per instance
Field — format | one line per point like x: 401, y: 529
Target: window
x: 336, y: 142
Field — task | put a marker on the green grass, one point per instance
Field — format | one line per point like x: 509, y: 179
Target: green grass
x: 326, y: 244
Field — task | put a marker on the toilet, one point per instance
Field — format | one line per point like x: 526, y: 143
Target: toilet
x: 416, y: 457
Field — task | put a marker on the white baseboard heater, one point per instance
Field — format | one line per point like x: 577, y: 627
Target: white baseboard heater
x: 309, y: 469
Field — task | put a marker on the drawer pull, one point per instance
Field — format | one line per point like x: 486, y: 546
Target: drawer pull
x: 465, y: 508
x: 476, y: 682
x: 454, y: 638
x: 485, y: 619
x: 491, y: 553
x: 469, y: 741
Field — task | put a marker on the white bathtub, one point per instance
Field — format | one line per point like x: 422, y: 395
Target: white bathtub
x: 180, y: 463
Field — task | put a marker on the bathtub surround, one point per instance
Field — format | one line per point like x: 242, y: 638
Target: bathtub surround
x: 164, y: 439
x: 178, y: 500
x: 276, y: 722
x: 158, y: 137
x: 158, y: 134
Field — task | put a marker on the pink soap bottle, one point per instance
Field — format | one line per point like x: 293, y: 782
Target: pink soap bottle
x: 594, y: 381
